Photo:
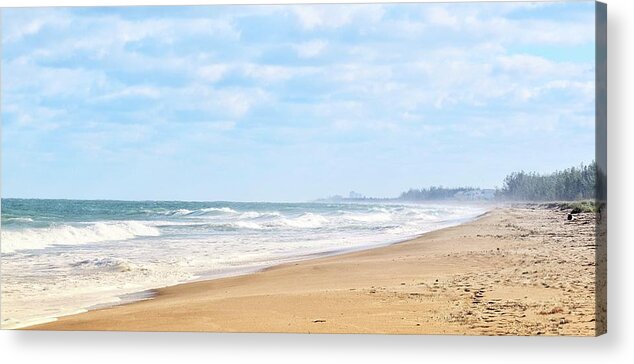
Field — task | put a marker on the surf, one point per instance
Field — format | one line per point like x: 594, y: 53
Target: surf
x: 41, y: 238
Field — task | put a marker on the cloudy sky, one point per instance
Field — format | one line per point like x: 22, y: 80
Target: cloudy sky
x: 288, y: 103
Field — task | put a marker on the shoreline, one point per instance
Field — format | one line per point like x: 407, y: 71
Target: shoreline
x: 425, y: 285
x: 133, y: 271
x: 151, y: 293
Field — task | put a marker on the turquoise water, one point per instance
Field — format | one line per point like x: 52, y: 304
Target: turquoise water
x: 64, y: 256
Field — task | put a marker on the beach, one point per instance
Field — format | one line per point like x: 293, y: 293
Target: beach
x: 521, y: 270
x: 61, y: 257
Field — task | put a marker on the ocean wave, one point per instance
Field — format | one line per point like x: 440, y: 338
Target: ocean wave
x: 276, y: 221
x: 180, y: 212
x: 196, y: 212
x: 255, y: 214
x: 201, y: 213
x: 307, y: 220
x: 172, y: 223
x: 218, y: 209
x: 19, y: 219
x: 104, y: 264
x: 41, y: 238
x: 371, y: 217
x: 248, y: 225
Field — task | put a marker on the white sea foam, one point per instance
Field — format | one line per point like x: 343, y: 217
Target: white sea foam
x: 104, y: 264
x: 219, y: 209
x: 164, y: 223
x: 180, y: 212
x: 195, y: 213
x: 248, y: 225
x: 41, y: 238
x: 250, y: 215
x: 308, y: 220
x: 372, y: 217
x: 20, y: 219
x: 255, y: 214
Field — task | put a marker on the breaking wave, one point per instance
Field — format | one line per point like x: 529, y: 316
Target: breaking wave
x: 41, y: 238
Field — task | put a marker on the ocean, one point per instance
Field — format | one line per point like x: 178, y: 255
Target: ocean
x: 66, y: 256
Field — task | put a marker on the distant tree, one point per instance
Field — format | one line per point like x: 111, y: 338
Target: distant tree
x: 433, y: 193
x: 574, y: 183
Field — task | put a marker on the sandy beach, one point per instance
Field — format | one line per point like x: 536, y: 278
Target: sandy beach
x: 514, y: 271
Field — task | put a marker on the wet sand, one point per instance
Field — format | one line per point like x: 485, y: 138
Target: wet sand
x: 523, y: 270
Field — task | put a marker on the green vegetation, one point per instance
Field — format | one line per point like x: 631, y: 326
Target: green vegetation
x: 576, y: 207
x: 575, y: 183
x: 433, y: 193
x: 582, y: 206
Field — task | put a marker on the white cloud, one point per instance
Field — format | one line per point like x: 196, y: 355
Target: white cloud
x: 123, y: 31
x: 126, y: 91
x: 536, y: 67
x: 492, y: 21
x: 17, y: 25
x: 105, y: 36
x: 308, y: 16
x: 313, y: 17
x: 39, y: 118
x: 439, y: 15
x: 310, y: 49
x: 262, y: 73
x: 347, y: 125
x: 213, y: 72
x: 232, y: 103
x: 267, y: 73
x: 359, y: 72
x: 23, y: 75
x: 219, y: 125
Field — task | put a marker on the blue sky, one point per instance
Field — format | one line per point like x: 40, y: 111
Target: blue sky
x: 291, y: 103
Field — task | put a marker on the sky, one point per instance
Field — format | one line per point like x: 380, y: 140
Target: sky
x: 291, y: 102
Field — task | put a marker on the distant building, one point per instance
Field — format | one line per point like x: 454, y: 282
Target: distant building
x: 355, y: 196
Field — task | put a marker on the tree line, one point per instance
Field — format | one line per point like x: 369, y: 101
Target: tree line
x: 433, y: 193
x: 575, y: 183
